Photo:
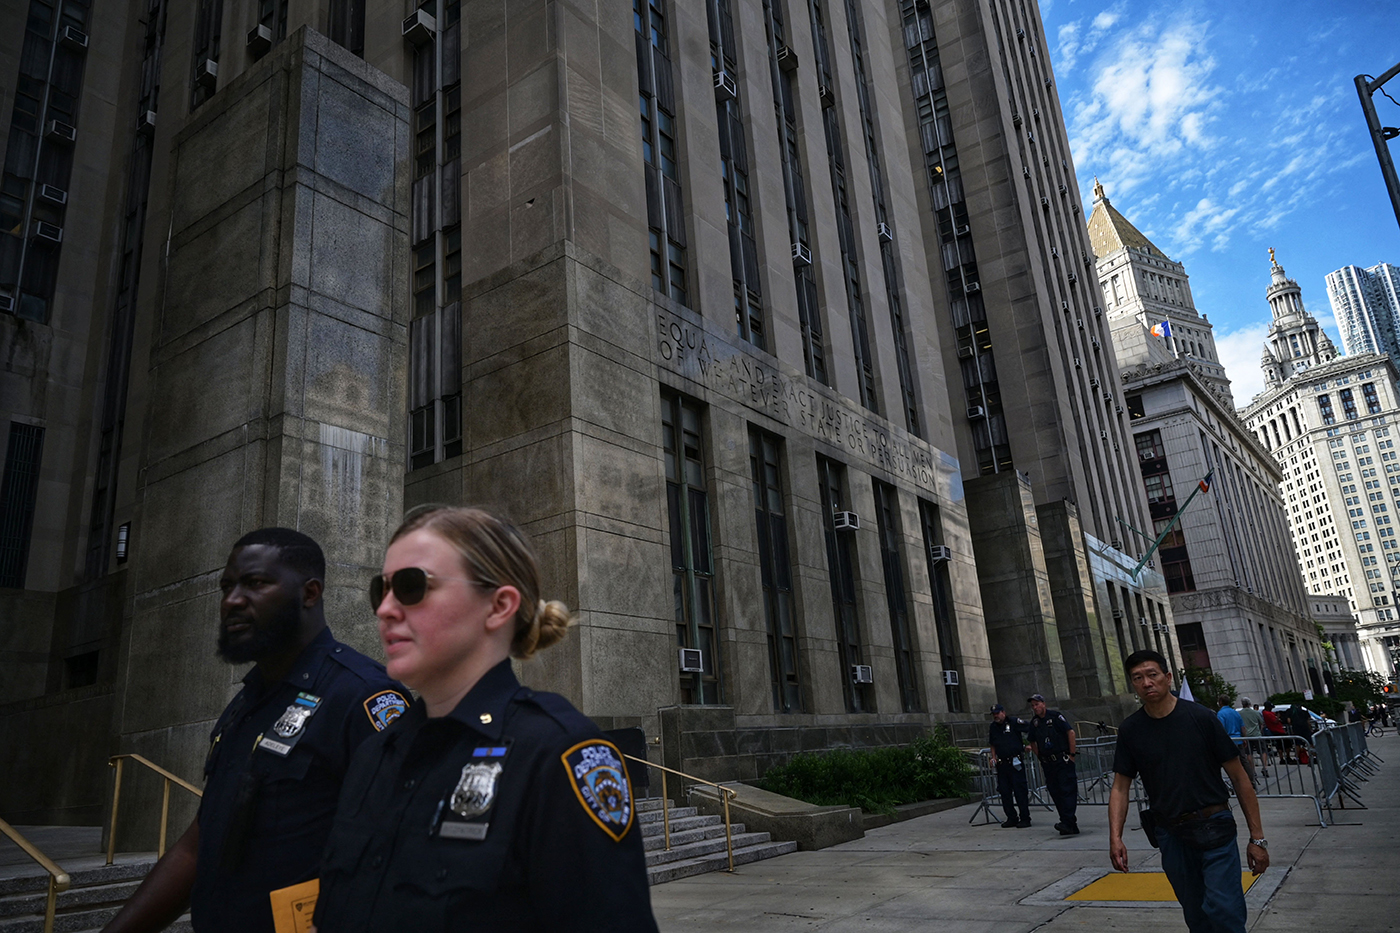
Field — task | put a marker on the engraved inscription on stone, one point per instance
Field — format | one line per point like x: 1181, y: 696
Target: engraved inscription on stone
x: 687, y: 349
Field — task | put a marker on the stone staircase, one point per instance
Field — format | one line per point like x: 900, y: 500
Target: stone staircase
x: 697, y: 842
x: 95, y: 896
x: 98, y: 891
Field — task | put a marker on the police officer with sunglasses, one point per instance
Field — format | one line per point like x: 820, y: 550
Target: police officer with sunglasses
x: 488, y: 806
x: 279, y: 752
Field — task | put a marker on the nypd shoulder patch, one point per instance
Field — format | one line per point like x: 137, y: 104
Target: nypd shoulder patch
x: 384, y: 707
x: 598, y: 774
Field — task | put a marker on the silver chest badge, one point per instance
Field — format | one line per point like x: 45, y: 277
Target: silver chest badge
x: 476, y: 789
x: 293, y: 720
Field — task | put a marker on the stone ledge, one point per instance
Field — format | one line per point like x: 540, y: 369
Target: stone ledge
x: 783, y: 818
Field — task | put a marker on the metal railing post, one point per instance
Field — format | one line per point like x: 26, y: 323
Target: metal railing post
x: 116, y: 801
x: 728, y: 834
x: 665, y: 811
x: 51, y: 904
x: 58, y: 878
x: 164, y: 818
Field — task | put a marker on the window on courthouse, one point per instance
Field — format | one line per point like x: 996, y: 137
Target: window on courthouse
x: 692, y: 554
x: 775, y: 569
x: 841, y: 563
x: 941, y: 585
x: 896, y: 594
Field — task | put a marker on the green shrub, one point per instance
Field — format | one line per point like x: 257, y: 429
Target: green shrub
x: 875, y: 779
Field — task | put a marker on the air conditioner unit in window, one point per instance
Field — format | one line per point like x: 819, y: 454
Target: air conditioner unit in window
x: 826, y: 95
x: 787, y: 58
x: 1079, y: 322
x: 1108, y: 396
x: 940, y: 552
x: 1098, y: 312
x: 976, y: 412
x: 42, y: 231
x: 146, y: 121
x: 419, y: 27
x: 61, y: 132
x: 1064, y: 188
x: 845, y: 521
x: 7, y: 303
x: 1045, y: 203
x: 53, y: 194
x: 972, y: 287
x: 1026, y: 171
x: 965, y: 352
x: 1073, y: 278
x: 1095, y: 343
x: 1020, y: 34
x: 963, y: 230
x: 1015, y: 119
x: 1118, y: 613
x: 1078, y: 363
x: 725, y: 88
x: 1118, y: 409
x: 207, y: 74
x: 259, y: 40
x: 950, y: 678
x: 1103, y: 435
x: 73, y: 38
x: 862, y: 674
x: 1074, y: 207
x: 884, y: 232
x: 692, y: 661
x: 801, y: 255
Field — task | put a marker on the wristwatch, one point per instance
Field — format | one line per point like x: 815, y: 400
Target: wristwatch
x: 1261, y: 843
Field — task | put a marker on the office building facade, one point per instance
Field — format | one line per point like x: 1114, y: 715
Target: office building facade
x: 706, y: 298
x: 1366, y: 304
x: 1238, y: 601
x: 1330, y: 423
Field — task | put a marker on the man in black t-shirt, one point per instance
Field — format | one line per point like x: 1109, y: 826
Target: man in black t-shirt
x: 1179, y: 747
x: 1007, y: 744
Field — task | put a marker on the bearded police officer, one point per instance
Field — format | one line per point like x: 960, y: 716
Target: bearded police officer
x: 279, y: 752
x: 1007, y: 743
x: 1053, y: 741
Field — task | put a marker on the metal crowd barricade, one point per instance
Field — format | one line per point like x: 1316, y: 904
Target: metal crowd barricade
x: 1093, y: 770
x: 991, y: 796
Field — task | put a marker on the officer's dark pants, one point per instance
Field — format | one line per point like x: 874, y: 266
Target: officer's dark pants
x: 1011, y: 781
x: 1063, y: 786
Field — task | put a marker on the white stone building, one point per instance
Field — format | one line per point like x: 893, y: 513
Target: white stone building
x: 1238, y: 601
x: 1331, y: 423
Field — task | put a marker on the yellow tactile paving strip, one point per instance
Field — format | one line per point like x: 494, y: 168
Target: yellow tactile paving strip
x: 1137, y: 886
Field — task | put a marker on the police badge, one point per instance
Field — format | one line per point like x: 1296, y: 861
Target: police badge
x: 476, y: 789
x: 290, y: 724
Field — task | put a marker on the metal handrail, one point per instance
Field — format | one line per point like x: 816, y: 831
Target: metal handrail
x: 725, y: 794
x: 1100, y: 728
x: 116, y: 761
x: 58, y: 878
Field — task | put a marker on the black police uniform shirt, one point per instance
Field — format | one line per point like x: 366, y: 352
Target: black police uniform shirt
x: 1005, y: 738
x: 277, y: 757
x: 512, y: 812
x: 1048, y: 732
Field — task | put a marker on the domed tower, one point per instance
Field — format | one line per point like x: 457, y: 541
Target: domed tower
x: 1296, y: 341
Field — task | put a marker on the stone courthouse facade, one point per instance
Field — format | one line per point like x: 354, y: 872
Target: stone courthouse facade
x: 773, y: 323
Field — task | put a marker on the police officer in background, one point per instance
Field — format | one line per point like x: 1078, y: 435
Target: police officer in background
x: 278, y: 753
x: 1053, y: 741
x: 488, y: 806
x: 1007, y: 746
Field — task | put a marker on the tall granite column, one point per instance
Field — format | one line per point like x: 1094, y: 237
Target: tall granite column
x: 1071, y: 588
x: 1017, y: 602
x: 277, y: 374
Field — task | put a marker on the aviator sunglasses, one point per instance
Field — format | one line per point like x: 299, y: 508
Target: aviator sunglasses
x: 409, y: 585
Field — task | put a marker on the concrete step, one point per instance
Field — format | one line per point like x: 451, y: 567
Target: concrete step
x: 717, y: 861
x: 654, y: 816
x: 679, y: 825
x: 127, y: 867
x: 653, y: 841
x: 21, y: 905
x: 679, y: 853
x: 78, y: 921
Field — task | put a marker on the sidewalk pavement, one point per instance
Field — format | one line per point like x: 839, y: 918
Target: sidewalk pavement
x: 938, y: 870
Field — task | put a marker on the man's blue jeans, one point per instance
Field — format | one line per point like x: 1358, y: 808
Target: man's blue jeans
x: 1207, y: 884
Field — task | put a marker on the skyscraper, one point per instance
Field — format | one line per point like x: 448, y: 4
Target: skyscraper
x: 1237, y: 596
x: 1331, y: 423
x: 1366, y: 303
x: 779, y: 343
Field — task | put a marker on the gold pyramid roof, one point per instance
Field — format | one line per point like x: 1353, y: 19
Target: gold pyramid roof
x: 1110, y: 231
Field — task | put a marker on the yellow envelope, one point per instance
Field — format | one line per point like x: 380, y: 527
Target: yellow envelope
x: 293, y: 907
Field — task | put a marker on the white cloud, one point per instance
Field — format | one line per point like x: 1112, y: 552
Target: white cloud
x: 1108, y: 18
x: 1239, y: 351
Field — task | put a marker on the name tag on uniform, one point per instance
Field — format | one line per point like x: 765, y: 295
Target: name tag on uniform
x: 459, y: 814
x: 287, y: 731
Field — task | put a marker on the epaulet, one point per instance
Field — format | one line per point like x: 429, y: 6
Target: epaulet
x: 366, y: 668
x: 562, y: 712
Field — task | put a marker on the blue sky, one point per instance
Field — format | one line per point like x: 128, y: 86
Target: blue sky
x: 1223, y: 129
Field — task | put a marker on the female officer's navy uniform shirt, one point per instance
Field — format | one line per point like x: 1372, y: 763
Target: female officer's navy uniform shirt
x: 510, y: 813
x: 276, y: 761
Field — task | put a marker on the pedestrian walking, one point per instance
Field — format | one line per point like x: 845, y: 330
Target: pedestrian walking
x: 1006, y: 741
x: 1253, y: 729
x: 1053, y: 742
x: 1178, y: 748
x: 1233, y: 722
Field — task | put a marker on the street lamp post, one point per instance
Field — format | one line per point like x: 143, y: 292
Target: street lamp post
x: 1365, y: 89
